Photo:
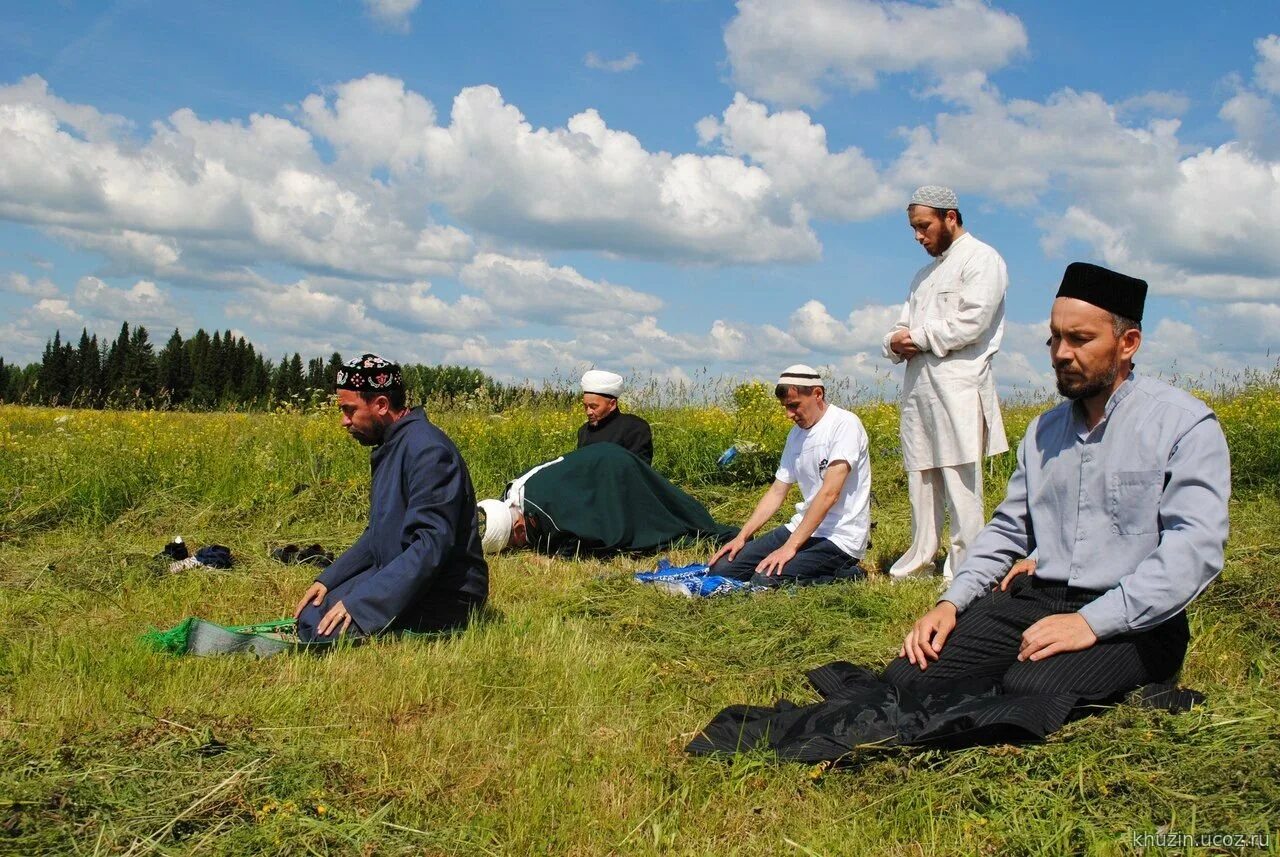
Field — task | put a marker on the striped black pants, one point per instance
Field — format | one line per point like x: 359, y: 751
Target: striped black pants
x: 982, y: 649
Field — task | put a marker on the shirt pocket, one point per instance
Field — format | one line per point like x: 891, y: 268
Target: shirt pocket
x: 1135, y: 501
x: 813, y: 460
x: 945, y: 303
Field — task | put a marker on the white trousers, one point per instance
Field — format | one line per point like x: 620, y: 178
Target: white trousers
x: 960, y: 488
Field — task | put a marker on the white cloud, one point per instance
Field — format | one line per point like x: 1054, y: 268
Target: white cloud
x: 373, y: 121
x: 142, y: 303
x: 587, y: 186
x: 793, y: 150
x: 864, y: 329
x: 229, y: 193
x: 626, y: 63
x: 1255, y: 120
x: 1266, y: 71
x: 412, y: 307
x: 790, y: 51
x: 532, y: 290
x: 54, y: 312
x: 21, y: 284
x: 581, y: 186
x: 393, y: 14
x: 1016, y: 150
x: 1156, y: 103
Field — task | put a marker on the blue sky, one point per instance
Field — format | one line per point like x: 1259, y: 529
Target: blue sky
x: 657, y: 188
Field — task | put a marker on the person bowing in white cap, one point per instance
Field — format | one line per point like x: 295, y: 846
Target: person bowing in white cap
x: 826, y: 453
x: 948, y: 331
x: 606, y: 423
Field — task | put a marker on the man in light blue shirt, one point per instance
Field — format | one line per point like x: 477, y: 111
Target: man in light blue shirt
x: 1121, y: 492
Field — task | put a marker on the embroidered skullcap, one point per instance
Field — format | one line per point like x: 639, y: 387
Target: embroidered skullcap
x: 602, y: 383
x: 935, y: 196
x: 800, y: 375
x: 369, y: 373
x: 498, y: 521
x: 1118, y: 294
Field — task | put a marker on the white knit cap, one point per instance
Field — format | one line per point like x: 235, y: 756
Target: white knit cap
x: 801, y: 375
x: 935, y: 196
x: 602, y: 383
x: 498, y: 521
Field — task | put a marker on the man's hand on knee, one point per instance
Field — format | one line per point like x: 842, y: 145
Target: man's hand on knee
x: 314, y: 596
x: 729, y: 549
x: 1052, y: 635
x: 335, y: 622
x: 773, y: 563
x: 925, y: 640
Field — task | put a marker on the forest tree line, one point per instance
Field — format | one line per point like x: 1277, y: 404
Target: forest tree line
x: 218, y: 372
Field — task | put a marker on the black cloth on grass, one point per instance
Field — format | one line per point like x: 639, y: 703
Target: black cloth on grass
x: 975, y: 693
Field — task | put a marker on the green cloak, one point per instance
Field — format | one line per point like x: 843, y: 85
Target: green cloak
x: 604, y: 499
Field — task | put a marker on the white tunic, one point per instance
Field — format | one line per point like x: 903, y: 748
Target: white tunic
x: 955, y: 313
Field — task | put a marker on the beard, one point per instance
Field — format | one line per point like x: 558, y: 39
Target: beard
x: 1086, y: 387
x: 945, y: 240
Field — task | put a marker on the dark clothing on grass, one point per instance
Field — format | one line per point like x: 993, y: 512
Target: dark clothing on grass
x: 420, y: 554
x: 626, y: 430
x: 817, y: 561
x: 975, y: 693
x: 602, y: 499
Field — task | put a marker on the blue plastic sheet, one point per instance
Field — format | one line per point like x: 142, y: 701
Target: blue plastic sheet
x: 692, y: 581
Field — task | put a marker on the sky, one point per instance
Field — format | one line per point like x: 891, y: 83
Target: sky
x: 673, y: 189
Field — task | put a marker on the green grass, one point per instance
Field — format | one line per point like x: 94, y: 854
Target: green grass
x: 556, y: 724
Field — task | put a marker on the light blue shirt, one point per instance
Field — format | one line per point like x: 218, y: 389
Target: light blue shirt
x: 1135, y: 508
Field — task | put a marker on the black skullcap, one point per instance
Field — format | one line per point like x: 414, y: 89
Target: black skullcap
x: 1118, y: 294
x: 369, y: 373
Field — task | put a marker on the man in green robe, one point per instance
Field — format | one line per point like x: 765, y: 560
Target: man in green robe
x: 599, y: 499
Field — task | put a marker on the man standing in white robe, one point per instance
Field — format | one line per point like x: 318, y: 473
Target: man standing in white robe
x: 949, y: 329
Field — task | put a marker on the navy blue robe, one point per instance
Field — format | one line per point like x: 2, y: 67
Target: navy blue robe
x: 418, y: 564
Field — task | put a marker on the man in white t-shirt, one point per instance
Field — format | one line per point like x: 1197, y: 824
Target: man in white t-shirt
x: 826, y: 453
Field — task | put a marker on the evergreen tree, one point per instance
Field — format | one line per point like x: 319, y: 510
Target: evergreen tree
x: 316, y: 387
x: 113, y: 388
x: 297, y: 379
x: 48, y: 380
x: 89, y: 368
x: 174, y: 371
x: 69, y: 375
x: 139, y: 380
x: 202, y: 393
x: 331, y: 372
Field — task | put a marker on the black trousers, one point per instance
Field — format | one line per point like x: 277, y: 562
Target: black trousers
x: 817, y: 561
x: 982, y: 650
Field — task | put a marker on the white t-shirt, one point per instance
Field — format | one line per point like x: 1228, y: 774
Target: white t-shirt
x: 837, y: 436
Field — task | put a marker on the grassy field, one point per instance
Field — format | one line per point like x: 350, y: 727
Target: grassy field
x: 556, y: 724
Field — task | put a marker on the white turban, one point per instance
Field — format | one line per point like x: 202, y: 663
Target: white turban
x: 800, y: 375
x: 602, y: 383
x: 498, y: 521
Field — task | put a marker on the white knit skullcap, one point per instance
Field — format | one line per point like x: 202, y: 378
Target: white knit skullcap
x: 498, y: 521
x: 800, y: 375
x: 935, y: 196
x: 602, y: 383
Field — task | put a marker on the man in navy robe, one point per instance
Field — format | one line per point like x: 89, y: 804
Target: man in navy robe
x: 418, y: 565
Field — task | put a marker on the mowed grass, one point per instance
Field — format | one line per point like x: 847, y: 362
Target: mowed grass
x: 556, y: 724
